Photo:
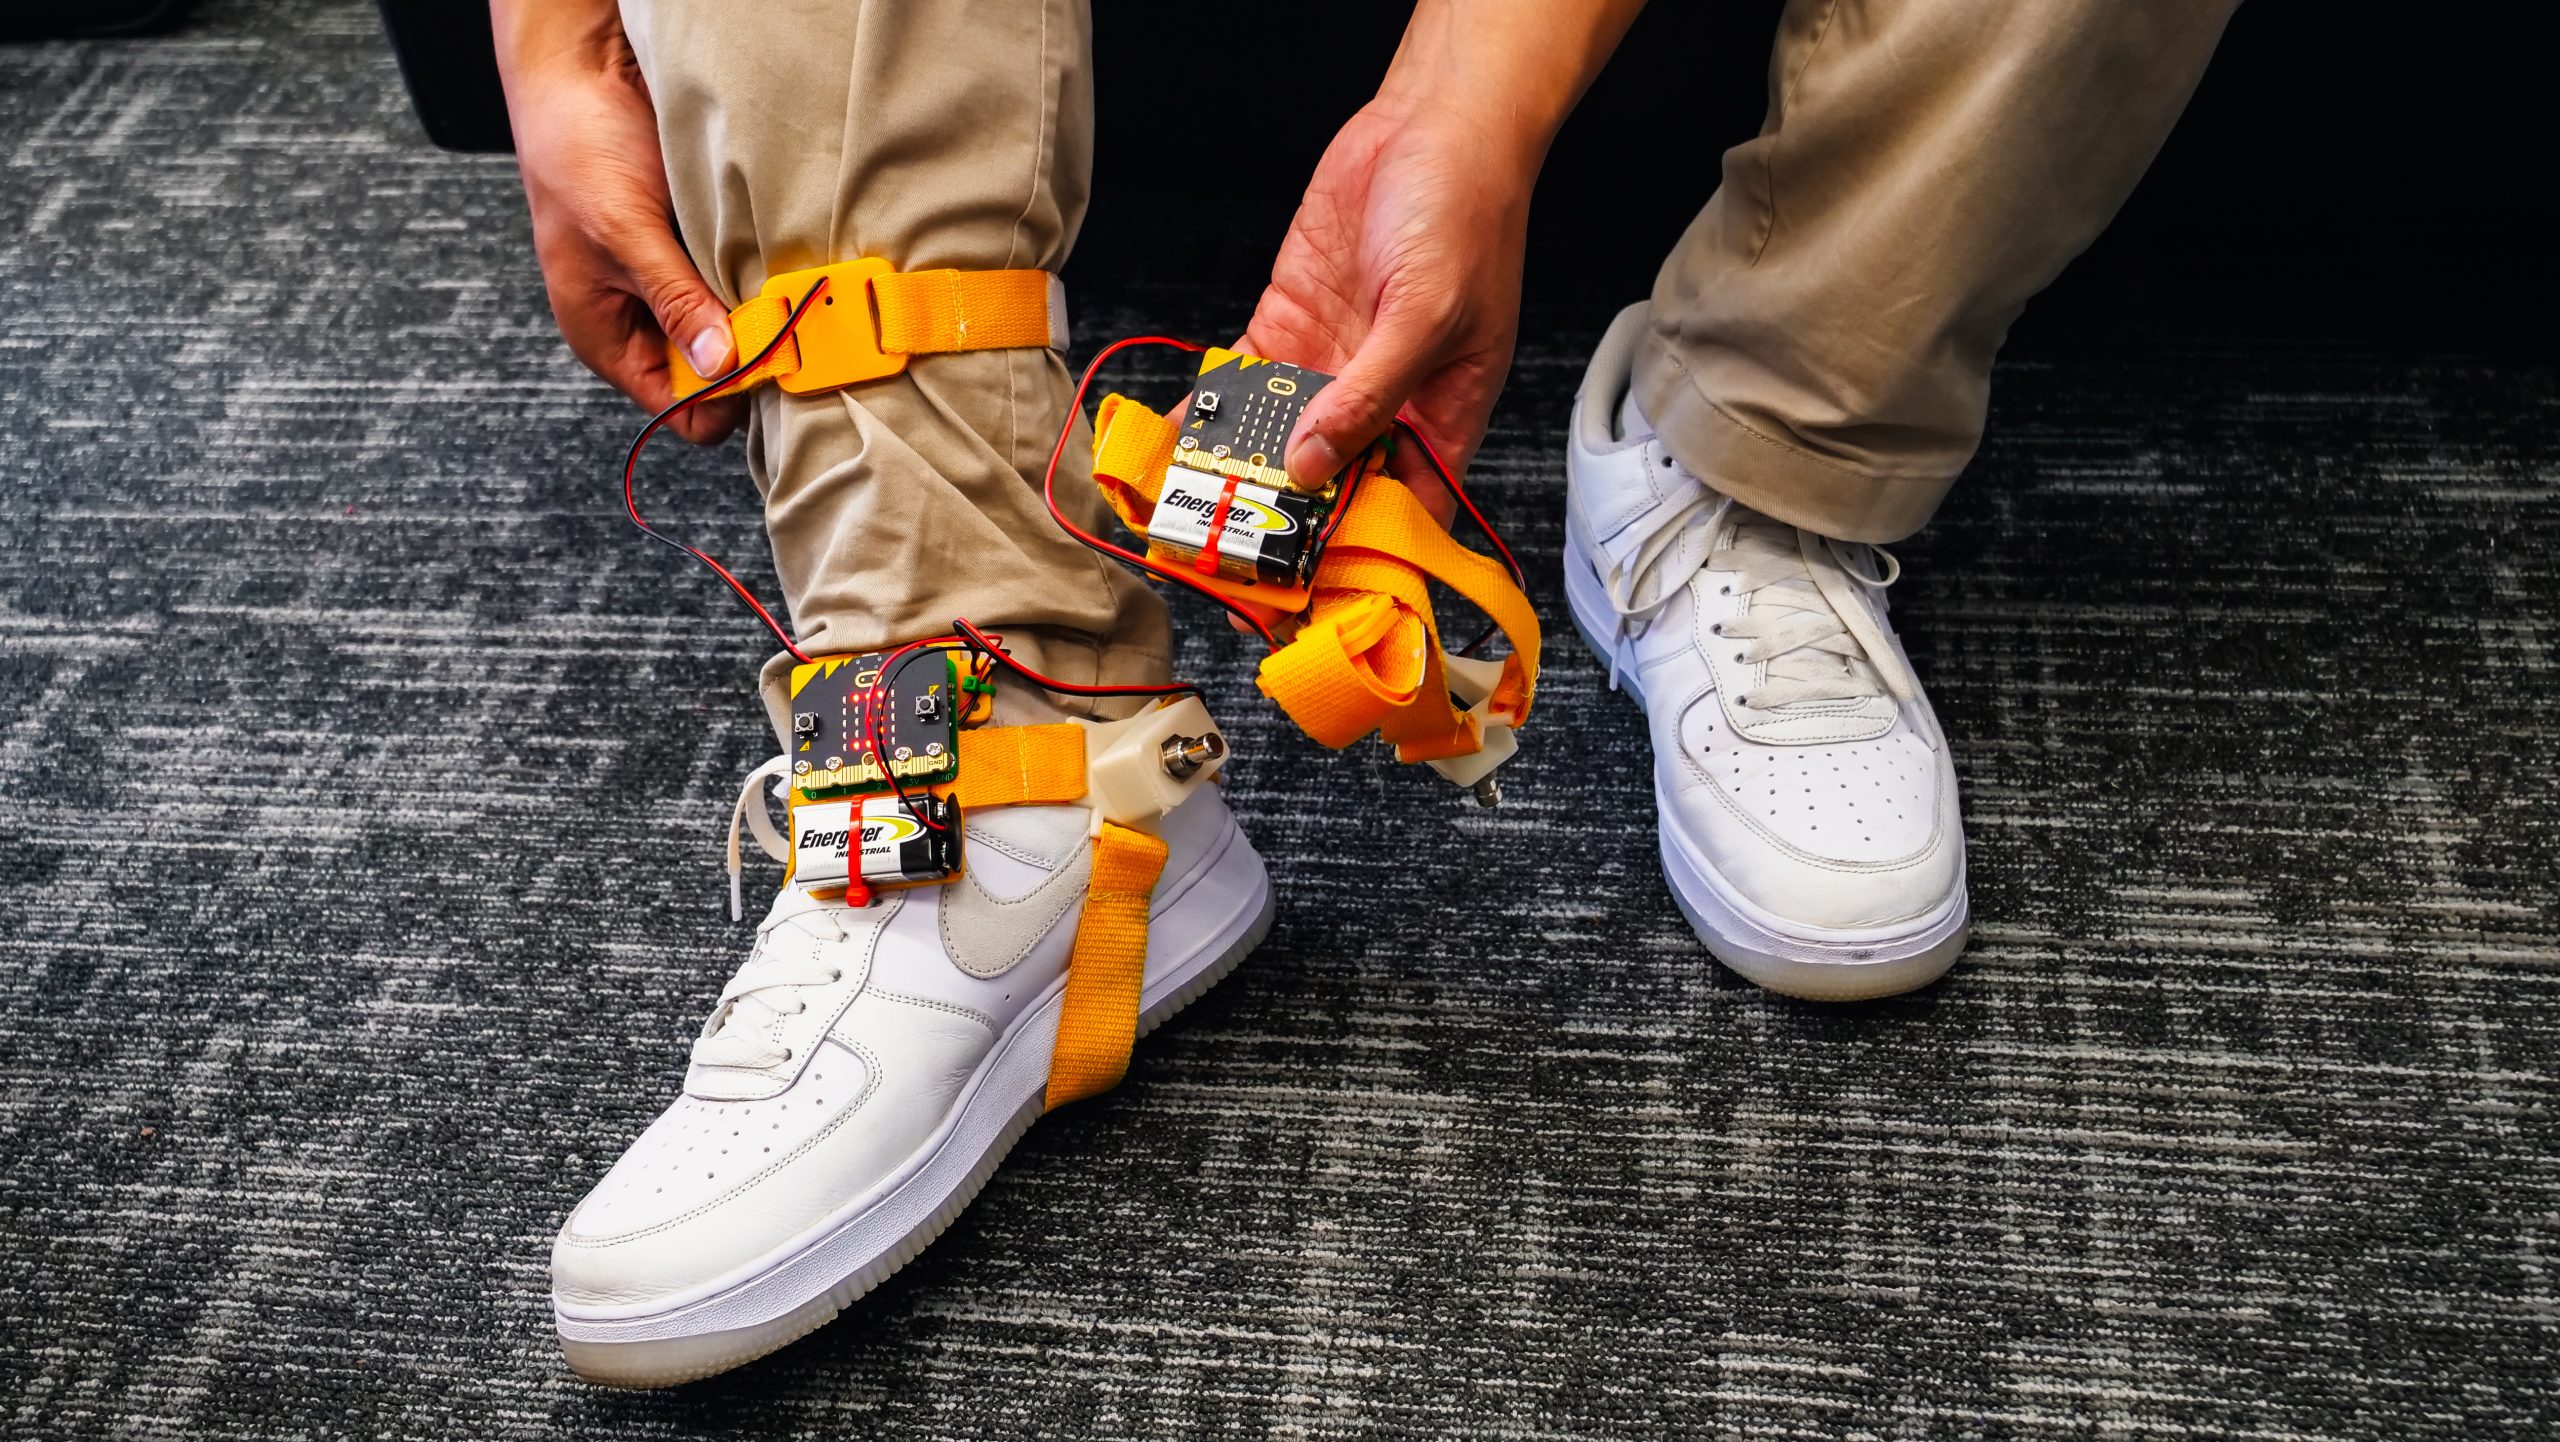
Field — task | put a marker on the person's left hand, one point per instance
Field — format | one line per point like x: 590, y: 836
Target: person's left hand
x: 1400, y: 277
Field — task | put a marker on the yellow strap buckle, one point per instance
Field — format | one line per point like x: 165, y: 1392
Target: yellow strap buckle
x: 836, y: 344
x: 839, y: 339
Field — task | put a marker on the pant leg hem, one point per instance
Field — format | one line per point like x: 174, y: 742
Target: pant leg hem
x: 1769, y: 475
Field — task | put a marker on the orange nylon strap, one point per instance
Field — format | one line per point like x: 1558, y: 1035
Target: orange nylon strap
x: 1098, y: 1016
x: 1355, y: 661
x: 1369, y: 656
x: 1131, y: 448
x: 933, y: 311
x: 1021, y: 766
x: 840, y: 343
x: 752, y: 326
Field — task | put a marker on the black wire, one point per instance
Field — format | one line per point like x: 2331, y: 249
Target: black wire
x: 1342, y: 504
x: 882, y: 733
x: 1466, y: 503
x: 631, y: 469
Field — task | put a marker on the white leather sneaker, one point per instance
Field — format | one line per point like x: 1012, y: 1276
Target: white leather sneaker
x: 1808, y: 805
x: 859, y: 1079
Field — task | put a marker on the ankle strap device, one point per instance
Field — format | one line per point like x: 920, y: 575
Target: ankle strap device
x: 871, y: 317
x: 890, y: 750
x: 1348, y: 568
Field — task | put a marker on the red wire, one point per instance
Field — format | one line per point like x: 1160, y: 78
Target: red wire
x: 871, y: 732
x: 988, y: 646
x: 1448, y: 478
x: 631, y: 468
x: 1458, y: 493
x: 991, y: 649
x: 1049, y: 496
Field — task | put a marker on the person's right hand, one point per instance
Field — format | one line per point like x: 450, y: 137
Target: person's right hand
x: 587, y: 142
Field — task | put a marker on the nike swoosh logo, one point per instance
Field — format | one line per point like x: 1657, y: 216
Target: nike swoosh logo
x: 984, y: 936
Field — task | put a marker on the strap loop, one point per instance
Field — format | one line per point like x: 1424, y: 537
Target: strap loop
x: 1098, y: 1015
x: 1384, y: 549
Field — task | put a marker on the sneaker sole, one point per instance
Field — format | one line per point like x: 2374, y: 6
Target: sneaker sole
x: 846, y: 1257
x: 1813, y: 965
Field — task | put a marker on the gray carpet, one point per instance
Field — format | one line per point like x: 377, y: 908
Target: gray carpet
x: 2238, y: 1121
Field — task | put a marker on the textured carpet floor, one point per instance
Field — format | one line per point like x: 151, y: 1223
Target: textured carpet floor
x: 325, y: 994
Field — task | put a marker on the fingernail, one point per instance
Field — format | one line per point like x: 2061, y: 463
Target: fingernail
x: 710, y: 351
x: 1315, y: 465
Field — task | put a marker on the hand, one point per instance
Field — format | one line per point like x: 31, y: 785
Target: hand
x: 1400, y: 276
x: 587, y: 142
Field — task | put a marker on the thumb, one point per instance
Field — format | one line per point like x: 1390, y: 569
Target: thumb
x: 1399, y: 354
x: 662, y: 275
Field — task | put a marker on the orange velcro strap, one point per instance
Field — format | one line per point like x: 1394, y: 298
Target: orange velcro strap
x: 752, y: 326
x: 1348, y: 668
x: 930, y: 311
x: 1369, y: 656
x: 1021, y: 765
x: 1098, y: 1015
x: 1131, y: 448
x: 870, y: 318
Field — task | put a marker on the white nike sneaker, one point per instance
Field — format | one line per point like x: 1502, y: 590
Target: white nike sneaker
x: 860, y: 1078
x: 1808, y: 804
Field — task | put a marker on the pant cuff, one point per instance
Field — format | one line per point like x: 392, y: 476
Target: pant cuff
x: 1769, y: 475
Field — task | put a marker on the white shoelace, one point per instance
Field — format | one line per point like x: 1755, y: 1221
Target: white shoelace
x: 751, y: 809
x: 1804, y: 620
x: 789, y: 952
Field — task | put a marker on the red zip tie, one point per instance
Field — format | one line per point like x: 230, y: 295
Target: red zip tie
x: 1207, y: 564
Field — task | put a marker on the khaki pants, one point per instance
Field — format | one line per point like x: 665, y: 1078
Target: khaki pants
x: 1822, y: 339
x: 933, y: 133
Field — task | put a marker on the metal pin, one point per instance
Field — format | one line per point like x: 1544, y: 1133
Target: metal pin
x: 1487, y: 792
x: 1184, y: 755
